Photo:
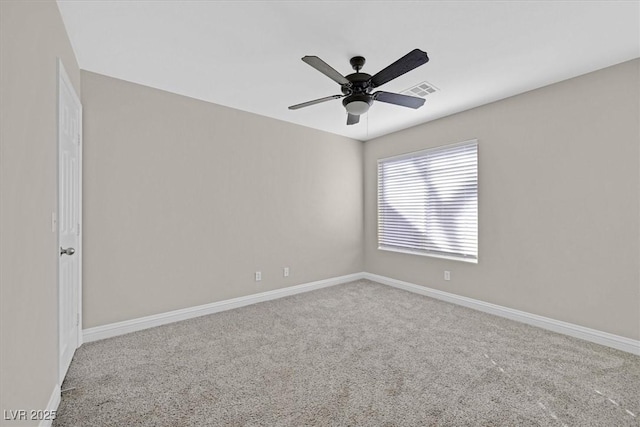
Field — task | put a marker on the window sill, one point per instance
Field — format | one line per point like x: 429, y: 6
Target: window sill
x: 410, y: 252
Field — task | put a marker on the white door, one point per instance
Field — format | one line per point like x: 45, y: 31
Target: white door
x: 69, y: 219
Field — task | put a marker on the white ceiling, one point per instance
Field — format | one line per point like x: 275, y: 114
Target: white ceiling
x: 246, y: 54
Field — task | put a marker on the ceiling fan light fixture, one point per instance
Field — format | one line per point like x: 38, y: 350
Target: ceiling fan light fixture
x: 357, y: 107
x: 357, y: 104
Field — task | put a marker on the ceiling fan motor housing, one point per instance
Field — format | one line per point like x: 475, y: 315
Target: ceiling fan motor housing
x: 358, y: 83
x: 358, y: 99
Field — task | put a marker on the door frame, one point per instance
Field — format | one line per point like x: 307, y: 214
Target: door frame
x: 63, y: 79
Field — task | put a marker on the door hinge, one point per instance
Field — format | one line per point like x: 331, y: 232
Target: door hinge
x: 77, y: 319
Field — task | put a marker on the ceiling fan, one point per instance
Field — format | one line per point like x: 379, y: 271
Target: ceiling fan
x: 356, y: 88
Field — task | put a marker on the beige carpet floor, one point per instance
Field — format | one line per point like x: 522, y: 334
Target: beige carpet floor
x: 360, y: 354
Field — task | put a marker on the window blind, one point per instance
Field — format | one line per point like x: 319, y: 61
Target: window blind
x: 428, y: 202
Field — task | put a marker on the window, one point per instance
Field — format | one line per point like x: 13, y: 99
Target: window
x: 428, y: 202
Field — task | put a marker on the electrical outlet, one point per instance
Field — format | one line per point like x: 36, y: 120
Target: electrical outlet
x: 258, y: 276
x: 285, y: 272
x: 447, y: 275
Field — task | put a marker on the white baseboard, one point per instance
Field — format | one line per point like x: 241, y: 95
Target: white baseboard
x: 576, y: 331
x: 54, y: 401
x: 592, y: 335
x: 127, y: 326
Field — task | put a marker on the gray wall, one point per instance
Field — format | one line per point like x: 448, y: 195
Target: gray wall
x: 32, y: 35
x: 558, y: 202
x: 184, y: 200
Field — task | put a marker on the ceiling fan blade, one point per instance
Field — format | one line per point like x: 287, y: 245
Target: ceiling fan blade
x: 352, y: 119
x: 326, y: 69
x: 411, y: 60
x: 315, y: 101
x: 398, y: 99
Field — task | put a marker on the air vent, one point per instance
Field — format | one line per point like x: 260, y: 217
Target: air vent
x: 421, y: 89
